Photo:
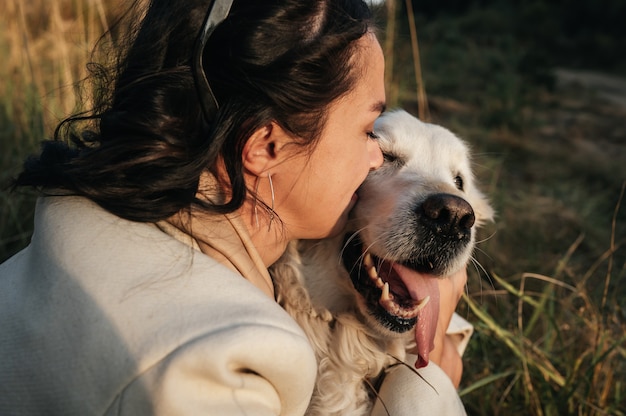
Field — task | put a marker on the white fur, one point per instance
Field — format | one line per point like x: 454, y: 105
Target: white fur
x: 312, y: 285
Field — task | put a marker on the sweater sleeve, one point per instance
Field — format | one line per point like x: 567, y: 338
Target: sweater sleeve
x: 461, y: 330
x: 237, y: 371
x: 428, y: 391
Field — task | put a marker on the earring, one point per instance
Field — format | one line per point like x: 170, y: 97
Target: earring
x: 269, y: 226
x: 256, y: 200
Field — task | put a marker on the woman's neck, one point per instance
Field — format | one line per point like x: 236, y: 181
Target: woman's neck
x: 266, y: 232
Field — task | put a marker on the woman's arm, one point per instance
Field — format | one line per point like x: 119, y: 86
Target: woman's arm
x: 242, y: 370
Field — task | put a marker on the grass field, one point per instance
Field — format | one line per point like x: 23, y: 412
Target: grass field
x: 550, y: 306
x: 549, y: 297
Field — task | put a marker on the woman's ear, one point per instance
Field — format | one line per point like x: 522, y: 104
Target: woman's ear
x: 264, y: 148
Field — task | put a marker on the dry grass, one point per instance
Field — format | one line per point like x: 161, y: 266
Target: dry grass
x: 49, y: 43
x: 45, y: 46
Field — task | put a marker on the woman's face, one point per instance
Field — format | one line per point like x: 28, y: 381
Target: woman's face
x: 315, y: 191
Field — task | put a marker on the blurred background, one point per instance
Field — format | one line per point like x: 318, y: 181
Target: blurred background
x: 537, y: 88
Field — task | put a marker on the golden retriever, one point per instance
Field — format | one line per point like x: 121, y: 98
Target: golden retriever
x: 370, y: 295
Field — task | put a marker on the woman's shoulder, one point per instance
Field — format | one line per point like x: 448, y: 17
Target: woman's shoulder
x: 128, y: 301
x: 124, y: 264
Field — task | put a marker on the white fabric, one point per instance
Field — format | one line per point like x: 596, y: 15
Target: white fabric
x: 405, y: 393
x: 102, y: 316
x: 463, y: 331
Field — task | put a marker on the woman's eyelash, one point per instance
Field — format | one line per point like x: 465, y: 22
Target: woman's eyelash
x: 372, y: 135
x: 389, y: 158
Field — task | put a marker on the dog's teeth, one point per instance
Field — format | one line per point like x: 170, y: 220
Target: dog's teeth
x: 380, y: 283
x: 373, y: 273
x: 416, y: 308
x: 385, y: 295
x: 367, y: 260
x: 421, y: 304
x: 386, y: 301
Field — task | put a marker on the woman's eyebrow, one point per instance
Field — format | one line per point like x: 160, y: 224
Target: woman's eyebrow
x: 379, y: 107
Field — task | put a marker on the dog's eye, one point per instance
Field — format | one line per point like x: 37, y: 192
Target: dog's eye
x: 458, y: 182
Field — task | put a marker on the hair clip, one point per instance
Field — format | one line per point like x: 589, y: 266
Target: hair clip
x: 217, y: 13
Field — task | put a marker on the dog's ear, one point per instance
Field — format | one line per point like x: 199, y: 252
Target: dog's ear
x: 265, y: 148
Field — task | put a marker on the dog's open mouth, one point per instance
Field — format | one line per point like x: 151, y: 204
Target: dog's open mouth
x: 397, y: 302
x: 401, y: 296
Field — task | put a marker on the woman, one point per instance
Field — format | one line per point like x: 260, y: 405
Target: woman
x: 226, y: 134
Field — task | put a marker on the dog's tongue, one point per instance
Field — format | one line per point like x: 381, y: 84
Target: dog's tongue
x: 420, y: 286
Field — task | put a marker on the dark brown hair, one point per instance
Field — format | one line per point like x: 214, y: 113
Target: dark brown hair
x: 282, y: 61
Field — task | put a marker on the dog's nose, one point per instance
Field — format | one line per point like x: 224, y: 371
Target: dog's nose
x: 448, y: 214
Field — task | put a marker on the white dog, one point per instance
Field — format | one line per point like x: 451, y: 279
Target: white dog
x: 361, y: 296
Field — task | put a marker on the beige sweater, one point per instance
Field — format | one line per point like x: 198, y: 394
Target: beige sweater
x: 103, y: 316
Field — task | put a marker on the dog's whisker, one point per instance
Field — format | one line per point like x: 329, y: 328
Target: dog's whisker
x: 476, y: 265
x: 348, y: 241
x: 476, y: 248
x: 479, y: 267
x: 487, y: 238
x: 352, y: 236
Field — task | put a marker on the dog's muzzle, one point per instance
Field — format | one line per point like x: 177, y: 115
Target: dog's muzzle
x: 442, y: 228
